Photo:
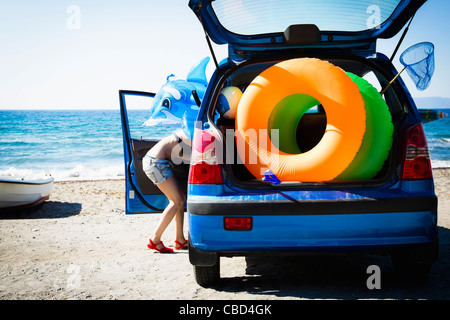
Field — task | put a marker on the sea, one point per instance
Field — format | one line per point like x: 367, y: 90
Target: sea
x: 88, y: 144
x: 68, y: 144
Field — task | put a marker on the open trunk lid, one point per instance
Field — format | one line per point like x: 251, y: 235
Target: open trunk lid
x: 255, y: 28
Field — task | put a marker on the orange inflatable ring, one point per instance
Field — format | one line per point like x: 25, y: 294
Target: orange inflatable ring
x: 343, y: 105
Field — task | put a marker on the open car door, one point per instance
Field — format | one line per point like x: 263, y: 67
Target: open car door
x: 141, y: 195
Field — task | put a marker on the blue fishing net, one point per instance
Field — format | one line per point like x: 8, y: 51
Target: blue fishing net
x: 419, y: 63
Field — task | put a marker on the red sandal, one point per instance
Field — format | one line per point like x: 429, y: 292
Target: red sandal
x: 153, y: 246
x: 181, y: 246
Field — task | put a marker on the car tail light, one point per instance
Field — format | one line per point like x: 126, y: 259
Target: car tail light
x: 204, y: 168
x: 416, y: 164
x: 238, y: 223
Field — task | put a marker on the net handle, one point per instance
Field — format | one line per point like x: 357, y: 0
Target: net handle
x: 392, y: 81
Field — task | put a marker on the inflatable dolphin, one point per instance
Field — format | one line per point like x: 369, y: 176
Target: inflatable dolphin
x: 175, y: 100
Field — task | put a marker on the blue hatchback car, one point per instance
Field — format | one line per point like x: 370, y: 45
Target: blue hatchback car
x: 233, y: 213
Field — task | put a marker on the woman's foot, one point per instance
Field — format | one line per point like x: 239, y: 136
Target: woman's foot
x: 158, y: 247
x: 181, y: 245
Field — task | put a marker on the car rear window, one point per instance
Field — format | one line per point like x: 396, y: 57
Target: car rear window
x: 251, y: 17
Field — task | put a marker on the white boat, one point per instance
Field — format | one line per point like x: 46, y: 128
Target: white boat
x: 16, y: 192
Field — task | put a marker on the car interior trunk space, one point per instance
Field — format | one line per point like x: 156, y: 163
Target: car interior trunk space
x: 312, y: 124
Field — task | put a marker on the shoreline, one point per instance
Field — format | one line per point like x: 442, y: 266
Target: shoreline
x: 81, y: 245
x: 123, y: 178
x: 90, y: 180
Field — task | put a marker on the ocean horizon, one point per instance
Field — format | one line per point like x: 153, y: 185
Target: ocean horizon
x: 84, y: 144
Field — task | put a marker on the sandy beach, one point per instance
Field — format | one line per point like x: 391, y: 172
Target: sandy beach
x: 81, y: 245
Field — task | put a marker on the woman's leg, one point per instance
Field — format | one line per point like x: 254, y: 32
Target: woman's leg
x: 179, y: 222
x: 176, y: 204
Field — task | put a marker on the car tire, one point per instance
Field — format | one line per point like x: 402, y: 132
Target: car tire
x: 408, y: 271
x: 207, y: 275
x: 414, y: 265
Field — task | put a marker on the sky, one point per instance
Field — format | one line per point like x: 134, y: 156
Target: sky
x: 77, y: 54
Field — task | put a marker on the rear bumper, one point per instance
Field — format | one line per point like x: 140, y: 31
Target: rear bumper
x: 315, y: 233
x: 312, y: 226
x: 314, y: 207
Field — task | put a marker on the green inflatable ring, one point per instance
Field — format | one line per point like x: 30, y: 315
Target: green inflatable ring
x: 285, y: 117
x: 377, y: 140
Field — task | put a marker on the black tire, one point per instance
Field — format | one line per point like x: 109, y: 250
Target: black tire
x: 410, y: 272
x: 207, y: 275
x: 414, y: 265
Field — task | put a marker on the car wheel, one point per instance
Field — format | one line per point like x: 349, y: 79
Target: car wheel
x: 207, y: 275
x: 409, y: 271
x: 414, y: 265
